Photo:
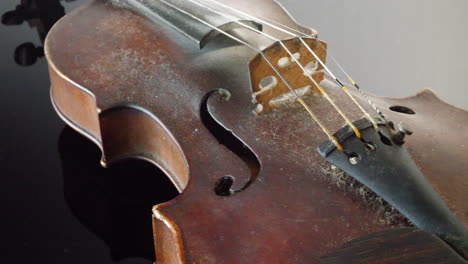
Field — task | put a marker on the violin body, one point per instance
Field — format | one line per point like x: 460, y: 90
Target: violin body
x: 141, y: 89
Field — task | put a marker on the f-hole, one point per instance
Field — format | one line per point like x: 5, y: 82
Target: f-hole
x: 233, y: 143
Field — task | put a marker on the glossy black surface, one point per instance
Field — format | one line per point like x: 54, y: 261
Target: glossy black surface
x: 59, y: 205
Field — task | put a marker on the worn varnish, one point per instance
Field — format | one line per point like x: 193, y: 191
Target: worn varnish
x: 136, y: 89
x: 395, y: 246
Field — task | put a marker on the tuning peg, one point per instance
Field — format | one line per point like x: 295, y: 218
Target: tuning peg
x: 14, y: 17
x: 27, y: 54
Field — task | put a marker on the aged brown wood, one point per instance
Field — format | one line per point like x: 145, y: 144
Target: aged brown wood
x: 136, y: 88
x: 395, y: 246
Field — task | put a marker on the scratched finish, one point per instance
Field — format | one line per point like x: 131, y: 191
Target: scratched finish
x: 396, y: 246
x: 297, y: 209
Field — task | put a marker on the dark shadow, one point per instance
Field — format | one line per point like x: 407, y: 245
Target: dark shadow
x: 114, y: 203
x: 39, y: 14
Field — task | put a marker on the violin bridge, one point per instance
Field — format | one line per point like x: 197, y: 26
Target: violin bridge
x: 265, y: 82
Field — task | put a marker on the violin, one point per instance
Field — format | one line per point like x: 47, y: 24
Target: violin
x: 277, y: 160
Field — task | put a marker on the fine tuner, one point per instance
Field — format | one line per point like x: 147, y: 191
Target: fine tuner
x: 230, y: 99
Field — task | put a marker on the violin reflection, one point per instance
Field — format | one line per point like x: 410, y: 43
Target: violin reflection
x: 39, y: 14
x: 113, y: 203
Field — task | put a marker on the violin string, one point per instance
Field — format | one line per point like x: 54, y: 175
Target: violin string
x: 335, y: 61
x: 298, y: 97
x: 319, y: 87
x: 338, y: 81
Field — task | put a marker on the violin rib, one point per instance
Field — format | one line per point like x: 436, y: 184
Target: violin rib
x: 136, y: 88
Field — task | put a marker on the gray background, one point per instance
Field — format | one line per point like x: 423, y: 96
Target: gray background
x: 398, y: 47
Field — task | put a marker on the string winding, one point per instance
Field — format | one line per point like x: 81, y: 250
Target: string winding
x: 319, y: 87
x: 298, y: 97
x: 343, y: 87
x: 335, y: 61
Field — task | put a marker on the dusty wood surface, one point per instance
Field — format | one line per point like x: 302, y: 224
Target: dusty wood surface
x: 395, y: 246
x: 299, y: 207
